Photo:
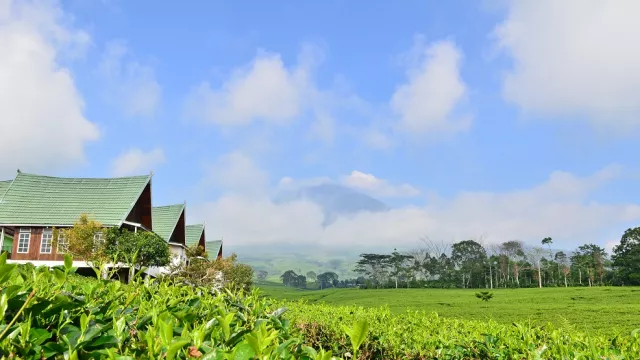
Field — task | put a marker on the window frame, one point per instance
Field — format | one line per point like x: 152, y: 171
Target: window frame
x: 27, y: 232
x: 50, y: 242
x: 62, y: 240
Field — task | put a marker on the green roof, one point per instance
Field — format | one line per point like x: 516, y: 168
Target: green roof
x: 4, y: 185
x: 165, y: 219
x: 194, y: 232
x: 46, y: 200
x: 212, y: 248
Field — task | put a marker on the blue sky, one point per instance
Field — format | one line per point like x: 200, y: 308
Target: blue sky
x: 495, y: 119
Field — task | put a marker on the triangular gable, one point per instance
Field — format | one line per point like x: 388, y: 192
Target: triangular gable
x: 195, y: 235
x: 169, y: 223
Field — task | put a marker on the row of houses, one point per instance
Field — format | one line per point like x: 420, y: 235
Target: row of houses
x: 32, y: 205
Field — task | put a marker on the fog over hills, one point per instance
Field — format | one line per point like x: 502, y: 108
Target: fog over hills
x: 334, y: 200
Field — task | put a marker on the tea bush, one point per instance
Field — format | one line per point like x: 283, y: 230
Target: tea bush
x: 421, y: 335
x: 53, y: 314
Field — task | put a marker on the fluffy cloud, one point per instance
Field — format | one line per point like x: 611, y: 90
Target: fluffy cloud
x: 265, y: 90
x: 559, y: 207
x: 130, y: 84
x: 237, y: 172
x: 434, y: 89
x: 378, y: 187
x: 41, y: 110
x: 574, y: 58
x: 136, y: 162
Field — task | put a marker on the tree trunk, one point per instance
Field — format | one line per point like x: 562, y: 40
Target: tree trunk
x: 396, y: 282
x: 565, y: 280
x: 490, y: 276
x: 539, y: 276
x: 580, y: 275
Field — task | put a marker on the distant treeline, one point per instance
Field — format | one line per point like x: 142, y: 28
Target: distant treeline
x: 472, y: 264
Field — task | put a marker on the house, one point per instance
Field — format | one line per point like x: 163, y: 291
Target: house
x: 196, y: 236
x: 32, y: 205
x: 169, y: 224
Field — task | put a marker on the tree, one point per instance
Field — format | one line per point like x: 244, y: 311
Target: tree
x: 398, y: 264
x: 469, y: 257
x: 592, y: 257
x: 327, y: 279
x: 563, y: 262
x: 138, y: 249
x: 289, y: 278
x: 311, y: 276
x: 548, y: 241
x: 513, y: 253
x: 536, y: 254
x: 374, y: 266
x: 85, y: 240
x: 626, y: 257
x: 261, y: 275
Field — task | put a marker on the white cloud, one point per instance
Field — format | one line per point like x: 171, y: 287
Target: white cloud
x: 323, y: 128
x: 559, y: 207
x: 378, y: 187
x: 265, y: 90
x: 434, y: 89
x: 41, y: 110
x: 237, y: 172
x: 574, y: 58
x: 131, y: 84
x: 137, y: 162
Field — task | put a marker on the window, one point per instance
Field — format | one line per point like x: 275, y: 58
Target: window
x: 63, y: 244
x: 45, y: 243
x: 23, y: 240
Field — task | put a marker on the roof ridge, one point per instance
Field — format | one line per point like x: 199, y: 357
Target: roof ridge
x: 8, y: 187
x: 184, y: 205
x: 85, y: 178
x: 166, y: 206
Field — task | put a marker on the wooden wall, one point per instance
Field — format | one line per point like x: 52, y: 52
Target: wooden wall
x: 34, y: 247
x: 179, y: 235
x: 141, y: 212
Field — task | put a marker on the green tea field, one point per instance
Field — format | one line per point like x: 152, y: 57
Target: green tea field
x: 605, y: 310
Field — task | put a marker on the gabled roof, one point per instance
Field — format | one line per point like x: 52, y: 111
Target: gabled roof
x: 194, y: 233
x: 46, y: 200
x: 213, y: 247
x: 165, y: 219
x: 4, y: 185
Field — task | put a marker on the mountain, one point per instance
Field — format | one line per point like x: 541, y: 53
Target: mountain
x: 335, y: 200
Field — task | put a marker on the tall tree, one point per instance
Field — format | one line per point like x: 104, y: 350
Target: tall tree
x: 398, y: 263
x: 289, y: 278
x: 514, y: 252
x: 327, y: 279
x: 469, y: 257
x: 375, y: 266
x: 548, y: 241
x: 563, y: 263
x: 535, y: 255
x: 626, y: 257
x: 311, y: 276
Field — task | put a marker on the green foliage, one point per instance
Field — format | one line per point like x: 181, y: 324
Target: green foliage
x: 54, y: 314
x: 422, y: 335
x: 602, y: 310
x: 218, y: 273
x: 626, y: 256
x: 84, y: 241
x: 139, y: 249
x: 484, y: 295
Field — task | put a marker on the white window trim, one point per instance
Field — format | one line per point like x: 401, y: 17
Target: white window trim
x: 62, y: 240
x: 26, y: 231
x: 49, y: 232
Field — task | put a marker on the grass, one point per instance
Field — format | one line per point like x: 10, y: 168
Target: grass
x: 603, y: 310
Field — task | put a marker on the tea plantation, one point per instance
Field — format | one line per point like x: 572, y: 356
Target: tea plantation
x: 606, y: 310
x: 54, y: 314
